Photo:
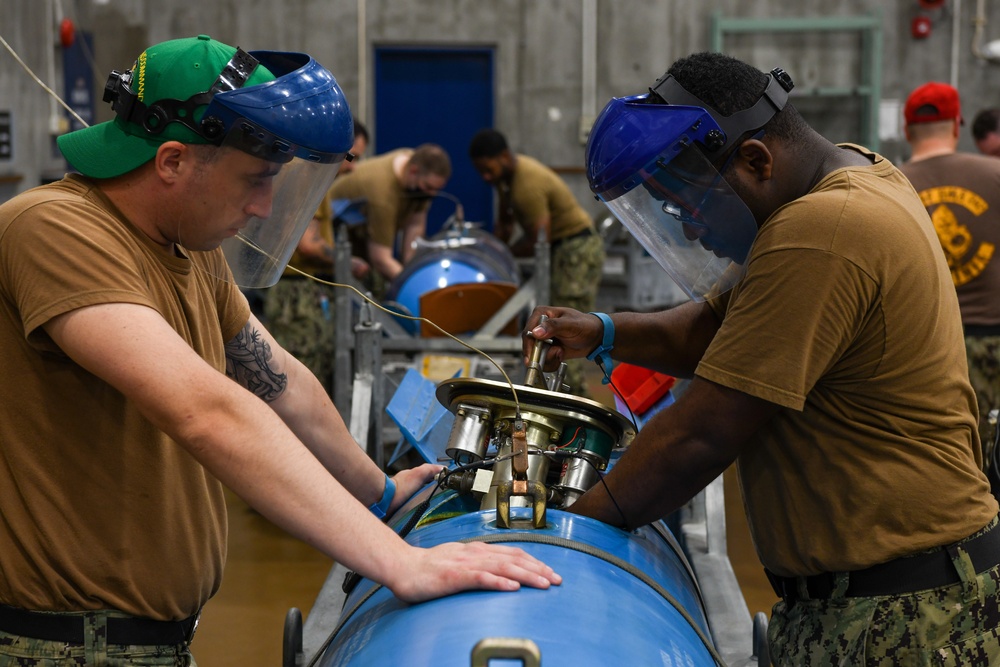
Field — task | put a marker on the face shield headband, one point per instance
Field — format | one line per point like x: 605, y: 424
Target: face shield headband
x: 684, y: 214
x: 300, y: 121
x: 155, y: 118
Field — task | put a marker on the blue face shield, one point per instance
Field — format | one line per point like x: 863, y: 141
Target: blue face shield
x: 301, y: 121
x: 651, y: 164
x: 299, y: 124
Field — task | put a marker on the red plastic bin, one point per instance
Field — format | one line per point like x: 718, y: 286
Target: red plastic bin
x: 640, y: 387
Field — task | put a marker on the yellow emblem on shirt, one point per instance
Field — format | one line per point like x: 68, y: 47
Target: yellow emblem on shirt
x: 955, y: 237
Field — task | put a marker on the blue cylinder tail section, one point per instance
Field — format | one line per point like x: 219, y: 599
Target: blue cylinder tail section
x: 627, y: 598
x: 451, y: 257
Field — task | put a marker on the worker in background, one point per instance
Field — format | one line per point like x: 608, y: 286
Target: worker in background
x: 961, y: 192
x: 137, y: 381
x: 299, y: 311
x: 398, y: 187
x: 534, y: 200
x: 986, y: 132
x: 825, y: 345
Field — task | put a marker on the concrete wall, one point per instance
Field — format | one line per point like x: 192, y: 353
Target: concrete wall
x: 552, y: 74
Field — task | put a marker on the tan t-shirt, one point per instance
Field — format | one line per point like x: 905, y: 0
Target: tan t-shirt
x: 536, y: 192
x: 847, y: 318
x: 388, y: 204
x: 100, y: 509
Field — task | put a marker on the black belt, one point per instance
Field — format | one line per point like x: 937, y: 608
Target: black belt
x: 69, y: 628
x: 900, y: 576
x: 589, y: 231
x: 978, y: 330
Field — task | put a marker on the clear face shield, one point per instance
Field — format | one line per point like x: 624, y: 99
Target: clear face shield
x: 691, y: 221
x: 285, y: 197
x: 651, y: 162
x: 292, y: 132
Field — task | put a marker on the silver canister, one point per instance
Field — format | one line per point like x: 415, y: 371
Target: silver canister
x: 469, y: 439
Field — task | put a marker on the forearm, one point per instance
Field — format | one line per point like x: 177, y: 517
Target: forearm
x: 307, y: 410
x: 382, y: 260
x: 679, y: 452
x: 298, y: 398
x: 249, y: 449
x: 413, y: 230
x: 671, y: 341
x: 658, y: 474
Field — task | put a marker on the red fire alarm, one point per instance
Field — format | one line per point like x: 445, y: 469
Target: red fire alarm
x: 931, y: 4
x: 67, y: 32
x: 920, y: 27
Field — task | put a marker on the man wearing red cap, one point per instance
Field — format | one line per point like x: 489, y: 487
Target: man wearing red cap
x: 962, y: 194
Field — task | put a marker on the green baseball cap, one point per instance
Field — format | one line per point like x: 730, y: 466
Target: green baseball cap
x: 172, y: 70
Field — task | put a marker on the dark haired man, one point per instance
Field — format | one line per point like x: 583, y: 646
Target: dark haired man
x: 986, y: 132
x: 825, y: 345
x: 532, y: 197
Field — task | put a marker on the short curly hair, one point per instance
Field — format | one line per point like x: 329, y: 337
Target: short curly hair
x: 985, y: 122
x: 728, y: 85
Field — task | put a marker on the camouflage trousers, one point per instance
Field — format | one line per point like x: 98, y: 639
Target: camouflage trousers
x: 983, y: 354
x: 16, y: 651
x: 957, y: 625
x: 299, y: 314
x: 577, y: 266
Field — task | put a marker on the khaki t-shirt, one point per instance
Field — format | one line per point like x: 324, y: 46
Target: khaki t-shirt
x: 388, y: 204
x: 536, y: 192
x: 961, y: 192
x: 100, y: 509
x: 847, y: 318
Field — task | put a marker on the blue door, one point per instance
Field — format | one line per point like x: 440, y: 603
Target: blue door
x: 441, y: 96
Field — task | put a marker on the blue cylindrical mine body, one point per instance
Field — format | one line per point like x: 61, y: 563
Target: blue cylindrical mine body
x: 627, y: 598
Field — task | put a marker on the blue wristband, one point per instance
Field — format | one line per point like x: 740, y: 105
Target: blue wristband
x: 602, y: 353
x: 381, y: 508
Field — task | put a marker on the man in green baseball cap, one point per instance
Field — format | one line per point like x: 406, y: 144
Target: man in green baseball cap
x: 138, y: 381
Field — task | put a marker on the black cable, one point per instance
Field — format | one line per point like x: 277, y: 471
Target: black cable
x: 615, y: 389
x: 608, y: 491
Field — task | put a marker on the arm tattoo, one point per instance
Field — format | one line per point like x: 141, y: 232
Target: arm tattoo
x: 248, y: 359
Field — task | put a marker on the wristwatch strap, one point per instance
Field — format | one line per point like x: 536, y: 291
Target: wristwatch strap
x: 602, y: 353
x: 381, y: 508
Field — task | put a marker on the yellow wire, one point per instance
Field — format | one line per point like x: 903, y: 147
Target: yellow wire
x: 517, y: 403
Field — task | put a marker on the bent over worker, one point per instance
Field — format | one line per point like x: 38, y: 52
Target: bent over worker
x: 533, y: 199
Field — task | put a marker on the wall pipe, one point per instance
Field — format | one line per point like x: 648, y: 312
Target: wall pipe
x: 588, y: 111
x: 956, y: 32
x: 361, y: 111
x: 979, y: 27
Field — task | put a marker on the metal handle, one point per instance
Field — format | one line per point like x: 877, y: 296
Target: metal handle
x: 535, y: 376
x: 506, y: 648
x: 532, y: 489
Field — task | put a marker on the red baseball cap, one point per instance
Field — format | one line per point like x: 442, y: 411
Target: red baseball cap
x: 932, y: 102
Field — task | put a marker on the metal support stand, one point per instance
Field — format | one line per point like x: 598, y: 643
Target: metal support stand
x: 343, y: 312
x: 534, y: 291
x: 543, y: 270
x: 368, y: 399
